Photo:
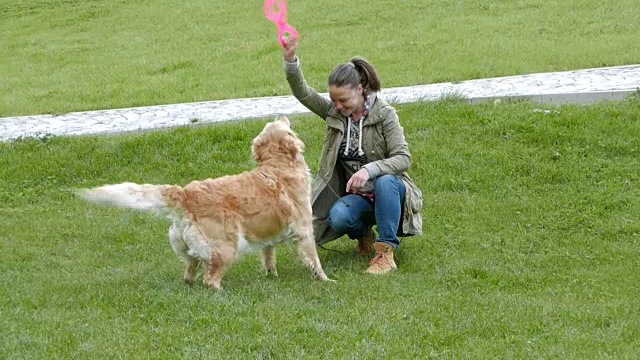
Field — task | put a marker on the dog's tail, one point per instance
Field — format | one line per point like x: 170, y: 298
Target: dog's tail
x: 155, y: 198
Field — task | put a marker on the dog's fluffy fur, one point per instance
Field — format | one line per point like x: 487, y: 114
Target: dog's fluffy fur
x: 215, y: 218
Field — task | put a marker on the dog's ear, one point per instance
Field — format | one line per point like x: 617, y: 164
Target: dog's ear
x: 284, y: 119
x: 260, y: 142
x: 291, y: 145
x: 256, y: 150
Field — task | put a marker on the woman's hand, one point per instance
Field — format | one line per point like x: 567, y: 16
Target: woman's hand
x: 357, y: 181
x: 289, y: 48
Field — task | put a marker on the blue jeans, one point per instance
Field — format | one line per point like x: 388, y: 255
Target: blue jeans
x: 353, y: 215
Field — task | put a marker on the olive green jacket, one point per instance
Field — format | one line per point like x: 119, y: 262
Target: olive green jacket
x: 383, y: 142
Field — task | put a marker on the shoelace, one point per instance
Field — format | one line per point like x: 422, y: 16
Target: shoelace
x: 380, y: 257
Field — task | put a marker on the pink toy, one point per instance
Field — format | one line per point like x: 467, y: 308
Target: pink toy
x: 279, y: 18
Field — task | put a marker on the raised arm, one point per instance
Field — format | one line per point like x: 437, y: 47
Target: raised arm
x: 308, y: 96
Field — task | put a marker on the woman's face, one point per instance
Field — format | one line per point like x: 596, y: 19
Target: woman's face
x: 346, y: 99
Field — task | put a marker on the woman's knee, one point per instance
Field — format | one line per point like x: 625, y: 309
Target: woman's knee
x: 387, y: 182
x: 339, y: 218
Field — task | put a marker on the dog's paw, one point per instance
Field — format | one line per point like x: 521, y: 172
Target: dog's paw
x: 272, y: 273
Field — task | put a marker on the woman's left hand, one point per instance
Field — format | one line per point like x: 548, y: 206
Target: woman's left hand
x: 357, y: 181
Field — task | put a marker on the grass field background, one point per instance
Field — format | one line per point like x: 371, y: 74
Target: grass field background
x: 69, y: 55
x: 531, y: 248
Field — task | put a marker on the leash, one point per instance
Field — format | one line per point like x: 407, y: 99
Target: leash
x: 334, y: 250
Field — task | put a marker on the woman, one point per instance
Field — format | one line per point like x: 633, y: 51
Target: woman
x: 362, y: 179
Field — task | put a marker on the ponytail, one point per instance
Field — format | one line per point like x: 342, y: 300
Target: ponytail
x: 356, y: 72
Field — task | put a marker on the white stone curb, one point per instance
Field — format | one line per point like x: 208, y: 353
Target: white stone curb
x: 581, y: 86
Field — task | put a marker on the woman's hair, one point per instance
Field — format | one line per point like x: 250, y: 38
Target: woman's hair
x: 356, y: 72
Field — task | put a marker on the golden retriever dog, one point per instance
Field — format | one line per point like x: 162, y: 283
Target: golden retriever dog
x: 215, y: 219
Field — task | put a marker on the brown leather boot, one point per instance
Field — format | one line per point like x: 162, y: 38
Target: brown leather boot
x: 383, y: 262
x: 365, y: 243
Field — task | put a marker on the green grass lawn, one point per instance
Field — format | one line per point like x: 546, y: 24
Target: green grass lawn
x: 59, y: 56
x: 531, y: 248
